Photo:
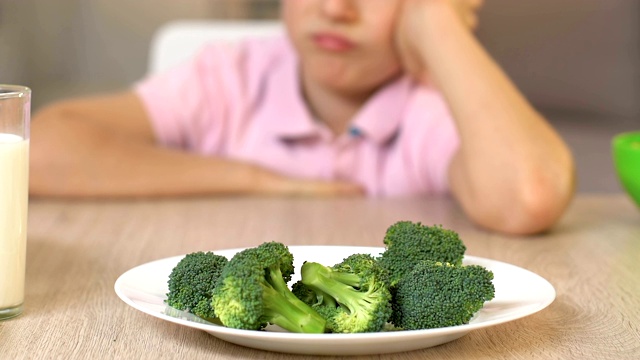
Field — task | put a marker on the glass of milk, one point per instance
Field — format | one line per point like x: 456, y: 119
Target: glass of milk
x: 15, y: 113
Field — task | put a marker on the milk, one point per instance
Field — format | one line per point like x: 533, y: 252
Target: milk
x: 14, y: 175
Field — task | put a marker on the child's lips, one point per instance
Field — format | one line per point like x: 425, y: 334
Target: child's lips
x: 333, y: 42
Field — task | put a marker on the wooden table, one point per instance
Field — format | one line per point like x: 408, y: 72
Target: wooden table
x: 77, y: 250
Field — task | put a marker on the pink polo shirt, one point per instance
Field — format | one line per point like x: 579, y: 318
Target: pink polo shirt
x: 243, y: 101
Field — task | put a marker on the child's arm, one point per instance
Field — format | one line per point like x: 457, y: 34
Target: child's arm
x: 105, y: 147
x: 512, y: 173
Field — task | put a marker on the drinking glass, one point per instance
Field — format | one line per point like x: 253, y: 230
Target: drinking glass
x: 15, y: 114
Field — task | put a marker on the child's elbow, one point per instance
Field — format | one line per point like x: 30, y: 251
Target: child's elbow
x: 537, y: 206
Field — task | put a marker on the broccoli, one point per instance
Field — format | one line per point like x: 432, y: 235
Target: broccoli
x: 252, y: 292
x: 436, y: 294
x: 408, y: 243
x: 192, y: 281
x: 353, y: 296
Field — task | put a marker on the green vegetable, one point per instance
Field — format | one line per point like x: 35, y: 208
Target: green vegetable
x: 252, y: 292
x: 353, y: 296
x: 418, y: 282
x: 436, y: 294
x: 409, y: 243
x: 192, y: 281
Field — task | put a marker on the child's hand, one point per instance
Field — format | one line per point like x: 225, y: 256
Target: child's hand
x: 415, y: 20
x: 318, y: 188
x: 269, y: 183
x: 468, y: 11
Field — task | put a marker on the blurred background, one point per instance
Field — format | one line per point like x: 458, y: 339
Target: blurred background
x: 577, y: 61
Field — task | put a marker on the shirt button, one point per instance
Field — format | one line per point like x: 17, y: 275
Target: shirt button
x: 355, y: 132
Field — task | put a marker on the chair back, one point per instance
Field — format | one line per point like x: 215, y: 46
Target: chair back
x: 177, y: 41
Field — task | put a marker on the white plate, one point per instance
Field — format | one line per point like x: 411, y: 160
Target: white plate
x: 519, y: 293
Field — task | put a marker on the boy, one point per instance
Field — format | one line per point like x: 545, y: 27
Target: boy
x: 385, y: 97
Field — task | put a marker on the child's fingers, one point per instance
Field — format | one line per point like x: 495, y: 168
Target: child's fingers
x: 325, y: 188
x: 406, y: 52
x: 268, y: 183
x: 468, y: 11
x: 471, y: 19
x: 466, y: 5
x: 286, y: 186
x: 406, y: 56
x: 475, y: 4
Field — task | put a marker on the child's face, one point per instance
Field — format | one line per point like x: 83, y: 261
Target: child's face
x: 345, y: 45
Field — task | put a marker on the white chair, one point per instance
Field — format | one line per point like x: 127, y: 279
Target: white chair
x: 177, y: 41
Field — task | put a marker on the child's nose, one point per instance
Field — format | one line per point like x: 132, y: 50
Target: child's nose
x: 340, y: 10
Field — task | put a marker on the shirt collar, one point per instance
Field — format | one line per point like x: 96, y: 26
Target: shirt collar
x: 381, y: 116
x: 289, y: 117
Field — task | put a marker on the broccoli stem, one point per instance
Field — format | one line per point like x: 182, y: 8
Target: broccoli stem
x: 276, y: 280
x: 341, y: 286
x: 352, y: 280
x: 284, y: 309
x: 290, y: 313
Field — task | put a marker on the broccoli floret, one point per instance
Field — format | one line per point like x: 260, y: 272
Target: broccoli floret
x: 408, y: 243
x: 252, y: 292
x: 436, y: 294
x: 192, y: 281
x: 353, y: 296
